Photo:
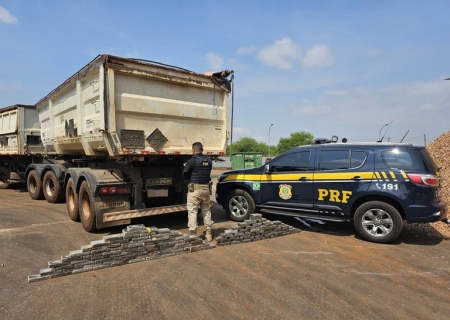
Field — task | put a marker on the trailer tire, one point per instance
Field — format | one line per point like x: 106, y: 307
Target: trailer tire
x: 51, y: 188
x: 72, y: 201
x: 86, y: 207
x: 34, y: 186
x: 4, y: 176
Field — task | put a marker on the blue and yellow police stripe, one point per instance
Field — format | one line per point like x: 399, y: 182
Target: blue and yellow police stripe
x: 321, y: 176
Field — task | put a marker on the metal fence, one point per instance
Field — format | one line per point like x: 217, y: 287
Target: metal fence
x: 226, y: 164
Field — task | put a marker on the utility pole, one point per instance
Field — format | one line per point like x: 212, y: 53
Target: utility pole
x: 269, y: 137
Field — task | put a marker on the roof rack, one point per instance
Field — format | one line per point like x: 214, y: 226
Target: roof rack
x: 333, y: 139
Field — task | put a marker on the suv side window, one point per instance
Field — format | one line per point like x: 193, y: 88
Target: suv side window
x: 341, y: 159
x: 404, y: 159
x: 297, y: 161
x: 357, y: 158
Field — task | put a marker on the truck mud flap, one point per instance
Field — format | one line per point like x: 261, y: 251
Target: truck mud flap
x: 130, y: 214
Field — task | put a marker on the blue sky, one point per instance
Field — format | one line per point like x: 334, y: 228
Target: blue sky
x: 340, y: 67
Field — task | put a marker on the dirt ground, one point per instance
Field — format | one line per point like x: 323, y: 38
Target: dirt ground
x: 323, y: 272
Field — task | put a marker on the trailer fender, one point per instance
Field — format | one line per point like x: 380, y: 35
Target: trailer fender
x: 41, y: 169
x: 105, y: 204
x: 93, y: 176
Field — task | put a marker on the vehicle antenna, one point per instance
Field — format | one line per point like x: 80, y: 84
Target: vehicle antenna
x: 386, y: 131
x: 404, y: 136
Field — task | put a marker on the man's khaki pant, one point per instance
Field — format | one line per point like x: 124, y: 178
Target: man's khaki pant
x: 195, y: 200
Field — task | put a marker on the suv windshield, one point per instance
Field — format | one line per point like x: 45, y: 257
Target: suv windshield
x: 405, y: 159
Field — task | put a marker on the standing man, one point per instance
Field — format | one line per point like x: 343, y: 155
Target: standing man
x: 198, y: 173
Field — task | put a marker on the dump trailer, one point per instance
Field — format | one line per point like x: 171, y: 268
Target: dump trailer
x: 20, y: 142
x: 118, y: 133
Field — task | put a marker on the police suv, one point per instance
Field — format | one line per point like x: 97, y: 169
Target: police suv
x: 376, y: 185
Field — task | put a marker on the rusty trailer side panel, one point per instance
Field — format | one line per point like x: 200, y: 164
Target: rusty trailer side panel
x: 116, y: 106
x: 20, y: 130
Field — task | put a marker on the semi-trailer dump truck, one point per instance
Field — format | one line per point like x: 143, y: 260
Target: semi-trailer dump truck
x: 20, y: 142
x: 116, y: 136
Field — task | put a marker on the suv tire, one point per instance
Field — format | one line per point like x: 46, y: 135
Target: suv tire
x: 378, y: 221
x: 239, y: 205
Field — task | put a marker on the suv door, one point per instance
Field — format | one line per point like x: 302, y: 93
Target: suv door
x: 340, y: 177
x: 288, y: 184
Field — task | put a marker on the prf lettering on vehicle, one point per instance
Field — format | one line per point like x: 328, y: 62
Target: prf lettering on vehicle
x: 334, y: 195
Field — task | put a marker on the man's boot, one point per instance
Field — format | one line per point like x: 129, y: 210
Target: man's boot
x: 208, y: 235
x: 193, y: 232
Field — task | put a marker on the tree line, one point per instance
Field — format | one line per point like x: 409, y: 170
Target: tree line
x: 247, y: 144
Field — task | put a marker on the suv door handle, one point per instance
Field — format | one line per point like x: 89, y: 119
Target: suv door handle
x: 357, y: 178
x: 303, y: 179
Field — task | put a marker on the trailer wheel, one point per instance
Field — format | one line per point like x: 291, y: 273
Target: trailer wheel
x: 72, y: 201
x: 34, y: 186
x: 4, y: 176
x: 52, y: 189
x: 86, y: 207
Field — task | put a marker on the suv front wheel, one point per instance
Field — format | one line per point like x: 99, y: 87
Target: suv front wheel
x: 239, y: 205
x: 378, y: 221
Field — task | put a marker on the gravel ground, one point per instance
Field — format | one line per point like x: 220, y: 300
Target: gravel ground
x: 440, y: 151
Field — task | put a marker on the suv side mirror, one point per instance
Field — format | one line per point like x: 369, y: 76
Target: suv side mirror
x: 267, y: 168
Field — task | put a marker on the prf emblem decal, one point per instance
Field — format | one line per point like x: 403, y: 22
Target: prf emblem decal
x: 285, y: 191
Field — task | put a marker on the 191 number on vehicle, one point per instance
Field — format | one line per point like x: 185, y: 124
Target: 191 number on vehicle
x: 387, y: 186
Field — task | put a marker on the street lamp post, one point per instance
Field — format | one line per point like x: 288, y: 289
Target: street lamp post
x: 269, y: 137
x: 379, y: 133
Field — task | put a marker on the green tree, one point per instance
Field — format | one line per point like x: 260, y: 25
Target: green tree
x: 247, y: 144
x: 295, y: 139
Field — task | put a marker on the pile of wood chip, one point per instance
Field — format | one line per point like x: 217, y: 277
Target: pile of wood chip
x: 440, y: 151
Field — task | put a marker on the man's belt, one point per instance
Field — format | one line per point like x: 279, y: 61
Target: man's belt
x: 202, y: 186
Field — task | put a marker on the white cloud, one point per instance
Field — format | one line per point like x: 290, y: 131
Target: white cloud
x: 285, y: 54
x: 215, y: 61
x: 375, y: 52
x: 131, y: 54
x: 426, y: 88
x: 245, y: 50
x: 282, y: 54
x: 311, y: 110
x: 336, y: 92
x: 318, y: 56
x: 7, y: 17
x: 241, y: 131
x: 234, y: 64
x: 9, y: 87
x: 413, y: 106
x: 428, y: 107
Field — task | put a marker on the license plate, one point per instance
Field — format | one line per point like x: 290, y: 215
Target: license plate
x: 112, y: 205
x: 158, y: 182
x: 153, y: 193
